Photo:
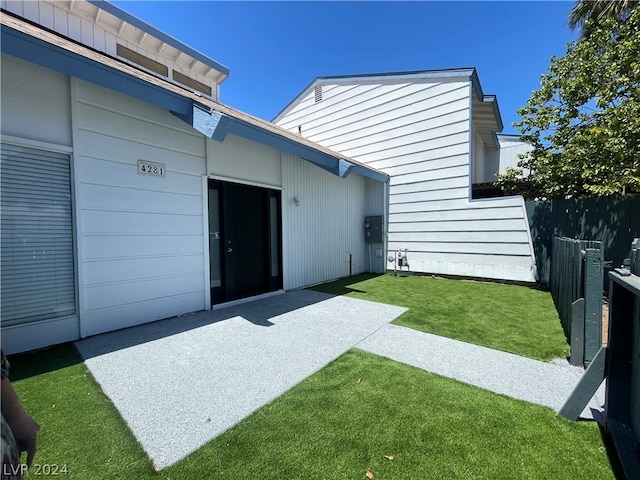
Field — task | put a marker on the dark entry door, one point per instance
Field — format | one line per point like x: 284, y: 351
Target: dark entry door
x: 245, y: 252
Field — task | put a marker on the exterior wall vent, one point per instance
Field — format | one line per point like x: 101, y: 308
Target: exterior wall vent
x: 141, y: 60
x: 192, y: 83
x: 318, y: 93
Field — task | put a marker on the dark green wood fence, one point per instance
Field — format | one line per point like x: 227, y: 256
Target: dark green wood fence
x: 614, y: 221
x: 576, y: 287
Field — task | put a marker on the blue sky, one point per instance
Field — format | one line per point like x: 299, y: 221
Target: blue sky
x: 275, y: 49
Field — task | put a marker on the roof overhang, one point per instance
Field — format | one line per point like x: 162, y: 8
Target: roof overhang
x: 485, y: 113
x: 486, y: 119
x: 36, y: 45
x: 127, y: 18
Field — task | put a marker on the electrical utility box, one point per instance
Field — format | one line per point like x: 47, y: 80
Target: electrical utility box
x: 373, y: 229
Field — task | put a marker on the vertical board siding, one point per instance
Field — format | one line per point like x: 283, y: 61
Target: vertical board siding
x: 491, y: 163
x: 510, y: 149
x: 375, y: 197
x: 141, y: 236
x: 419, y: 132
x: 328, y: 223
x: 77, y: 23
x: 478, y: 160
x: 60, y: 20
x: 376, y: 205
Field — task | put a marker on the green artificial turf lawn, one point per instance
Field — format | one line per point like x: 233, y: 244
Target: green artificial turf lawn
x: 336, y: 424
x: 79, y: 426
x: 511, y: 318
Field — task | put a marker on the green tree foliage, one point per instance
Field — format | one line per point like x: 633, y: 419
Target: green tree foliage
x: 584, y: 121
x: 596, y: 11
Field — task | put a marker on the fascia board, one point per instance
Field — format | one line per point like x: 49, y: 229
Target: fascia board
x: 34, y: 50
x: 393, y: 76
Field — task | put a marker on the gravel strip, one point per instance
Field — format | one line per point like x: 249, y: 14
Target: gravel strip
x: 548, y: 384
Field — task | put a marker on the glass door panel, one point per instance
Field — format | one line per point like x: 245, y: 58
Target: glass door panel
x: 215, y: 242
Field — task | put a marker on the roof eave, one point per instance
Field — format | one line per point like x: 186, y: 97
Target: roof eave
x: 160, y: 35
x: 60, y: 54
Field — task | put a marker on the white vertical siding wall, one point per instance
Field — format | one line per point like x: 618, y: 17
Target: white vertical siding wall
x: 510, y: 148
x: 140, y: 238
x: 58, y: 19
x: 419, y: 132
x: 491, y: 163
x: 324, y: 228
x: 61, y: 17
x: 478, y: 162
x: 377, y: 206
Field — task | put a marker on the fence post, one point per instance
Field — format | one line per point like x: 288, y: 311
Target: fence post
x: 593, y: 303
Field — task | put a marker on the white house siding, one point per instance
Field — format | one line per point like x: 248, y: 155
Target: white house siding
x: 478, y: 163
x: 77, y: 20
x: 140, y: 238
x: 510, y: 148
x: 325, y: 226
x: 59, y: 19
x: 419, y: 132
x: 36, y: 112
x: 491, y: 163
x: 241, y: 160
x: 36, y: 102
x: 377, y: 205
x: 328, y: 223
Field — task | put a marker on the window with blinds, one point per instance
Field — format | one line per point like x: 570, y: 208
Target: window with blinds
x: 36, y: 235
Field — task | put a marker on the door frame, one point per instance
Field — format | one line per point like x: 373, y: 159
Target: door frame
x: 273, y: 282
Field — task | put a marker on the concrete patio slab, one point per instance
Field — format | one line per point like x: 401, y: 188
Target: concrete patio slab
x: 178, y: 383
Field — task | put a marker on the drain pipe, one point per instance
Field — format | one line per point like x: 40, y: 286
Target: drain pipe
x: 350, y: 264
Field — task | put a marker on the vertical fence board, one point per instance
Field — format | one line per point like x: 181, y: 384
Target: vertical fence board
x: 577, y: 332
x: 576, y: 288
x: 614, y: 221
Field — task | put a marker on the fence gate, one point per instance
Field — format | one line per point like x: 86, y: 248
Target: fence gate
x: 576, y: 287
x: 619, y: 364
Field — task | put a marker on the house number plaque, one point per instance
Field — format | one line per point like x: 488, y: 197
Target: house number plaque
x: 150, y: 168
